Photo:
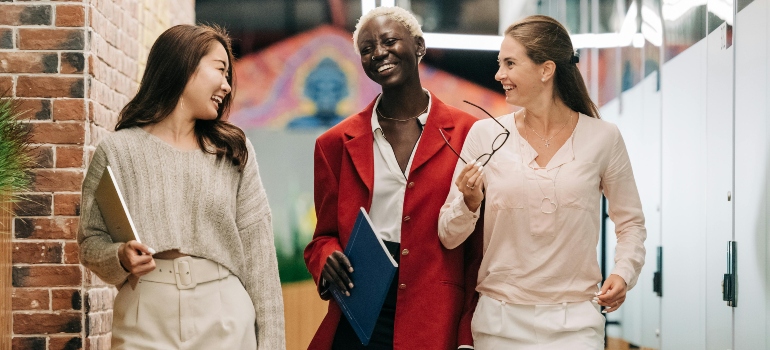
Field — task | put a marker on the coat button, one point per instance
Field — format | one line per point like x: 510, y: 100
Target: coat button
x: 405, y: 252
x: 406, y: 218
x: 410, y: 185
x: 402, y: 286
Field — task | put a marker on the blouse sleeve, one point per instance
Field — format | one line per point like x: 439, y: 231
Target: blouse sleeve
x: 97, y: 250
x: 625, y: 210
x: 261, y: 281
x: 456, y: 222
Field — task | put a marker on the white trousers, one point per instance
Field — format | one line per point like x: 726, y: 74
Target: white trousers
x: 213, y: 315
x: 574, y: 326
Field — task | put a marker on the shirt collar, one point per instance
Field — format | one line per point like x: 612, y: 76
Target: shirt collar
x: 423, y: 118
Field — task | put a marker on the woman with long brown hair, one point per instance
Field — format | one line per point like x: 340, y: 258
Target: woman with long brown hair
x: 191, y: 184
x: 551, y: 162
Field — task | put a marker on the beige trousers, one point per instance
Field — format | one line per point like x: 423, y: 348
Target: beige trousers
x: 217, y: 314
x: 500, y: 325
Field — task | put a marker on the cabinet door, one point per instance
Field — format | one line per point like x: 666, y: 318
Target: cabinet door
x: 719, y: 175
x: 752, y: 170
x: 683, y: 142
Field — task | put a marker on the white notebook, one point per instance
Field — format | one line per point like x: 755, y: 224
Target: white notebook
x: 114, y: 210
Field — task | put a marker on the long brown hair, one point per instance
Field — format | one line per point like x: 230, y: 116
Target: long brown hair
x: 173, y: 59
x: 547, y: 40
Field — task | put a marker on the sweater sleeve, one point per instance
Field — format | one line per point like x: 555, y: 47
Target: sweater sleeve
x: 262, y: 282
x: 97, y: 250
x: 625, y: 210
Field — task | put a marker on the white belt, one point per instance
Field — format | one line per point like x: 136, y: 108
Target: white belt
x: 186, y: 272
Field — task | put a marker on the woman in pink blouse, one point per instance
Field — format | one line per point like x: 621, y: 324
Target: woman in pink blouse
x: 548, y: 165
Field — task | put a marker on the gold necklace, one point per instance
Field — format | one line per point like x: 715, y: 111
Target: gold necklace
x: 548, y: 141
x: 400, y: 120
x: 553, y: 204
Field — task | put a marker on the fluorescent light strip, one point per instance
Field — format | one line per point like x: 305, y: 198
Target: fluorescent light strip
x: 463, y: 41
x: 367, y: 5
x: 627, y: 36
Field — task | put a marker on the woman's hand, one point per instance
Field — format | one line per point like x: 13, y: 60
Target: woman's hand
x: 136, y: 258
x: 612, y: 294
x: 470, y: 182
x: 336, y: 272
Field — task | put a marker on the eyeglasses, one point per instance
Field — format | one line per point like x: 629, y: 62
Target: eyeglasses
x: 496, y: 144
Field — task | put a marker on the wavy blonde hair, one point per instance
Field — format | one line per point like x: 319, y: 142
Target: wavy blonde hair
x: 395, y: 13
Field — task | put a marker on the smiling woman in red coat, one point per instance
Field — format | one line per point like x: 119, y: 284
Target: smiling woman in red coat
x: 391, y: 160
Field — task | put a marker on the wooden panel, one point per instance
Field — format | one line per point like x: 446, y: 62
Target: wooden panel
x: 5, y: 273
x: 304, y: 311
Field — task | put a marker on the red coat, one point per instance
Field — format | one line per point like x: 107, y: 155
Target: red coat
x: 434, y: 309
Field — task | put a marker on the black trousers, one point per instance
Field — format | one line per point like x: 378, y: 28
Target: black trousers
x: 382, y: 338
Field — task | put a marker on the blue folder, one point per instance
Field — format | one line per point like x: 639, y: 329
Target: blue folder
x: 373, y: 271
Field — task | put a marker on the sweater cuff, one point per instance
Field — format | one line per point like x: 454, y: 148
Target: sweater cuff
x: 117, y: 274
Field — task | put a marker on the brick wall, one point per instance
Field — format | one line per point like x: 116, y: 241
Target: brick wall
x: 74, y: 64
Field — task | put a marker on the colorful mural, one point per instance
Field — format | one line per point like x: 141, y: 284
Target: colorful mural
x: 291, y: 92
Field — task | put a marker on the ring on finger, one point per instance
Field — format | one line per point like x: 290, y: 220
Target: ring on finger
x: 469, y: 186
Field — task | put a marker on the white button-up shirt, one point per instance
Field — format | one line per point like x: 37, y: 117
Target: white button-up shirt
x: 389, y: 182
x: 532, y: 257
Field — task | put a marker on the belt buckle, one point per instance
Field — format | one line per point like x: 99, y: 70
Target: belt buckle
x: 184, y: 273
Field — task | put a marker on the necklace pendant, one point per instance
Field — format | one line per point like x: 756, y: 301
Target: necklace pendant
x: 547, y: 143
x: 550, y: 206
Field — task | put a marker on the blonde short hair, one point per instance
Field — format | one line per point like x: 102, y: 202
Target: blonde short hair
x: 395, y: 13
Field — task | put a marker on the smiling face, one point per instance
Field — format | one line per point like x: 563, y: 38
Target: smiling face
x: 208, y: 86
x: 389, y: 53
x: 520, y: 76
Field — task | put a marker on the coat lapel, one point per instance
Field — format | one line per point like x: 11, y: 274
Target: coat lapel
x: 439, y: 117
x: 360, y: 145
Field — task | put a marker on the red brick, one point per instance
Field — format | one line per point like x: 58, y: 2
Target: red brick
x: 66, y: 204
x: 15, y: 15
x: 46, y: 276
x: 49, y: 86
x: 46, y: 228
x: 37, y: 253
x: 47, y: 323
x: 71, y: 253
x: 100, y: 299
x: 45, y: 180
x: 42, y: 156
x: 51, y: 39
x: 99, y: 342
x: 25, y: 299
x: 66, y: 299
x: 69, y: 156
x: 29, y: 62
x: 6, y: 38
x: 28, y: 343
x: 58, y: 133
x: 70, y: 16
x: 6, y: 84
x: 34, y: 205
x: 35, y: 109
x: 69, y: 109
x: 72, y: 62
x: 66, y: 343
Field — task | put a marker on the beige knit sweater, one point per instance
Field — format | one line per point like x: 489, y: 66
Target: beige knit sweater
x: 187, y: 200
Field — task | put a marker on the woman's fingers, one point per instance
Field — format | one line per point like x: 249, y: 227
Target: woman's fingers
x: 612, y: 294
x: 335, y: 271
x: 140, y: 248
x: 614, y: 306
x: 331, y: 277
x: 145, y: 268
x: 462, y: 178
